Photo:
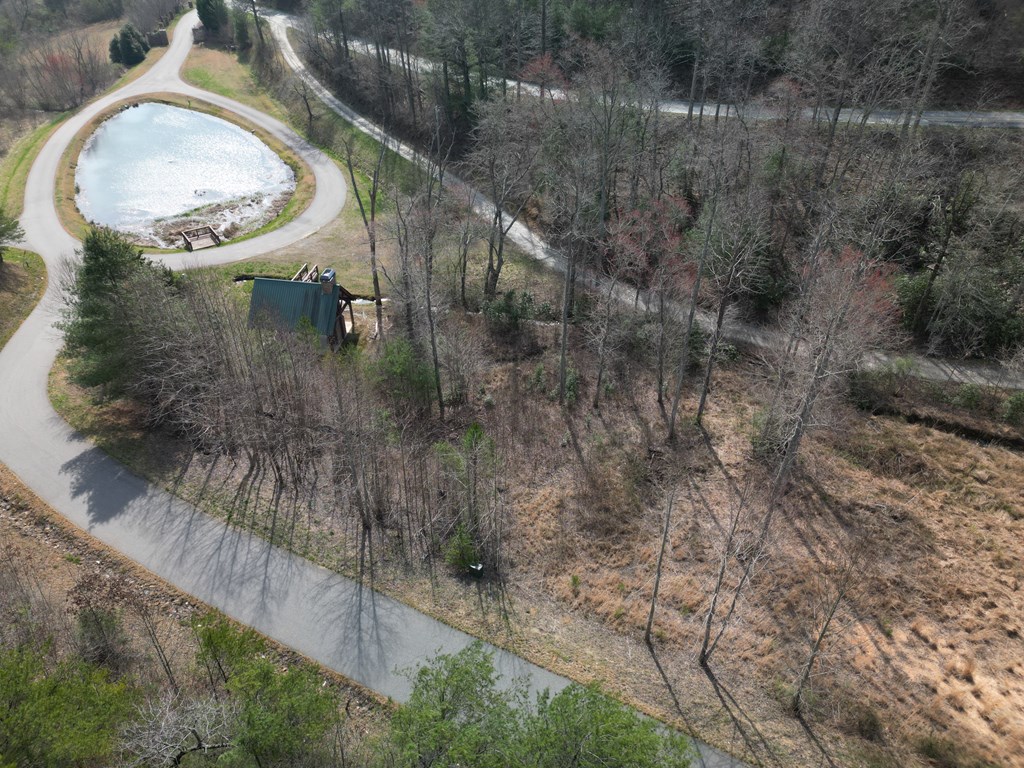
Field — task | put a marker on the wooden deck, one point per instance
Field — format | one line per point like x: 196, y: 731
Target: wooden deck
x: 199, y: 238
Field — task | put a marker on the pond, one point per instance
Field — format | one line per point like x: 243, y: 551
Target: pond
x: 153, y: 170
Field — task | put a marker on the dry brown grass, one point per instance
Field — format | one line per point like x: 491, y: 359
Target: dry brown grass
x: 928, y: 642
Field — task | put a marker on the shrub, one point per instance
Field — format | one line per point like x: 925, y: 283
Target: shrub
x: 131, y: 46
x: 240, y: 28
x: 506, y: 316
x: 58, y: 715
x: 460, y: 714
x: 968, y: 396
x: 697, y: 353
x: 768, y: 437
x: 1013, y: 409
x: 101, y: 639
x: 538, y: 378
x: 222, y: 646
x: 728, y: 353
x: 870, y: 390
x: 942, y: 752
x: 403, y: 377
x: 572, y: 386
x: 863, y: 721
x: 283, y: 715
x: 461, y: 553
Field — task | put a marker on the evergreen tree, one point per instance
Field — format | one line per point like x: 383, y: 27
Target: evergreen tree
x: 213, y: 14
x: 132, y: 46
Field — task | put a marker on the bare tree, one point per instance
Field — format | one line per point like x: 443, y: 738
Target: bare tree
x: 742, y: 235
x: 825, y: 343
x: 666, y: 528
x: 171, y: 727
x: 713, y: 184
x: 148, y: 15
x: 506, y: 151
x: 744, y: 544
x: 368, y: 212
x: 841, y: 574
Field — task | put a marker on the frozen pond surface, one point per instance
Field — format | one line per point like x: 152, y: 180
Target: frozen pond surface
x: 154, y: 169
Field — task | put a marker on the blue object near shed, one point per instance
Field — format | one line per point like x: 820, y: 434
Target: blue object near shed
x: 286, y: 302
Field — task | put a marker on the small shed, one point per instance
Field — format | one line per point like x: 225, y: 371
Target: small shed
x: 157, y: 39
x: 285, y: 303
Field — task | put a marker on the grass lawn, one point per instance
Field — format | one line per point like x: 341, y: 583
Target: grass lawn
x: 16, y: 165
x: 22, y: 282
x: 220, y: 72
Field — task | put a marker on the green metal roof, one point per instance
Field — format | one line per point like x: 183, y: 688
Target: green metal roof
x: 286, y: 302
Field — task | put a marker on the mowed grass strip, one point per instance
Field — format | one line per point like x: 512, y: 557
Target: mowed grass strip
x: 22, y: 282
x: 18, y: 162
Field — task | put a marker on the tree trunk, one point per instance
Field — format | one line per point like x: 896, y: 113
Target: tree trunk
x: 657, y: 572
x: 715, y: 338
x: 684, y: 358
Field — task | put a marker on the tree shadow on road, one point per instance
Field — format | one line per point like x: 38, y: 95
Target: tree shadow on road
x: 107, y: 487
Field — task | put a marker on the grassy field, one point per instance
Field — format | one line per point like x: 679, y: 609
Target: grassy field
x: 219, y: 72
x: 22, y: 283
x: 17, y: 163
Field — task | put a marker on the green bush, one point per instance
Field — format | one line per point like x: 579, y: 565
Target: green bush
x: 283, y: 716
x: 52, y: 716
x: 727, y: 353
x: 968, y: 396
x: 461, y: 552
x: 128, y: 47
x: 1013, y: 409
x: 507, y: 315
x: 572, y: 386
x: 403, y: 377
x: 460, y: 713
x: 222, y: 648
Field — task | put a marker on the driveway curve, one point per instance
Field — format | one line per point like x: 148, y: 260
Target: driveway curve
x: 341, y: 624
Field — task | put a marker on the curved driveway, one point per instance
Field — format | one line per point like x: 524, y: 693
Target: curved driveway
x: 345, y: 627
